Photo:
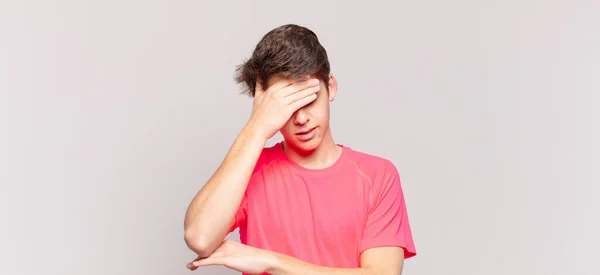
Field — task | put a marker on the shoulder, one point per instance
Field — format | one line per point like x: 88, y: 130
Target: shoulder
x: 382, y: 174
x: 374, y: 166
x: 268, y: 155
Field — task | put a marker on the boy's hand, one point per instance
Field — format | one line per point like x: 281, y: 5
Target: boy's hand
x: 239, y: 257
x: 273, y: 107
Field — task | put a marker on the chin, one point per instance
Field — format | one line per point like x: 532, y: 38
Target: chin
x: 305, y: 146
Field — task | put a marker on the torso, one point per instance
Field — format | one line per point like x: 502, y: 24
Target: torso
x: 315, y: 215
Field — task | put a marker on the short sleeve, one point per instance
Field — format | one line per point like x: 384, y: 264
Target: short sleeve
x: 240, y: 216
x: 387, y: 221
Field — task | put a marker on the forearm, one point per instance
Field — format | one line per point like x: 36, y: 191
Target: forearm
x: 211, y: 212
x: 286, y: 265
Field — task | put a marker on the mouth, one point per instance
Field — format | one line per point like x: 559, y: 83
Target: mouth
x: 306, y: 131
x: 306, y: 135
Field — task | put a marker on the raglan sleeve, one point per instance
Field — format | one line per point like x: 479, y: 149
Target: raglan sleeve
x: 387, y: 221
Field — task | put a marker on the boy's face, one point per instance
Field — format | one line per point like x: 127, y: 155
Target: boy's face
x: 307, y: 127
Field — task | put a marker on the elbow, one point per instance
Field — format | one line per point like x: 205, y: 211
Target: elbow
x: 198, y: 243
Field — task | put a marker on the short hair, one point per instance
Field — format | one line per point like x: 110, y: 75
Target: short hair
x: 291, y: 51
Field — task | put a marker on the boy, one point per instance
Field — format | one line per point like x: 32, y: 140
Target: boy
x: 305, y: 205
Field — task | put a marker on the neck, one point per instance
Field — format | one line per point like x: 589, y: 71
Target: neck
x: 325, y: 155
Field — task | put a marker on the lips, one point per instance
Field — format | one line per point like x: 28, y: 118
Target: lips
x: 306, y: 135
x: 305, y: 131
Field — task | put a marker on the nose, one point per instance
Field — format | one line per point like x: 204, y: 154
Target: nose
x: 300, y: 117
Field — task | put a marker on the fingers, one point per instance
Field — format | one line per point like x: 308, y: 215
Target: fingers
x: 215, y: 258
x: 259, y: 88
x: 287, y: 87
x: 302, y: 94
x: 203, y: 262
x: 303, y: 102
x: 300, y: 86
x: 282, y: 83
x: 191, y: 266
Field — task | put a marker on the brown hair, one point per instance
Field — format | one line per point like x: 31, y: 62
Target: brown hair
x: 290, y: 51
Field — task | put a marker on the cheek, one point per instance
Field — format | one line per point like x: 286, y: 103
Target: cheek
x: 287, y: 128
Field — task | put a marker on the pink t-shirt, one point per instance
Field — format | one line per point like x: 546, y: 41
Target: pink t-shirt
x: 327, y: 216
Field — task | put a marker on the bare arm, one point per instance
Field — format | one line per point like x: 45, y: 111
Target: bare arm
x: 211, y: 212
x: 384, y: 260
x: 374, y: 261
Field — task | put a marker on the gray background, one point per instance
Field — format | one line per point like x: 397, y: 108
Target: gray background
x: 114, y: 113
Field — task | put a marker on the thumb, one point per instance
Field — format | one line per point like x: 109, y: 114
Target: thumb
x: 208, y: 261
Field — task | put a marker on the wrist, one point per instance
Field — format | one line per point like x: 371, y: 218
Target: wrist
x: 274, y: 263
x: 252, y: 130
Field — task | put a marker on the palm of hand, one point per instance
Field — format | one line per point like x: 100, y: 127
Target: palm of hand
x: 237, y: 256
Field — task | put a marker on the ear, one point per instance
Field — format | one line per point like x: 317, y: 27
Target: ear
x: 333, y: 86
